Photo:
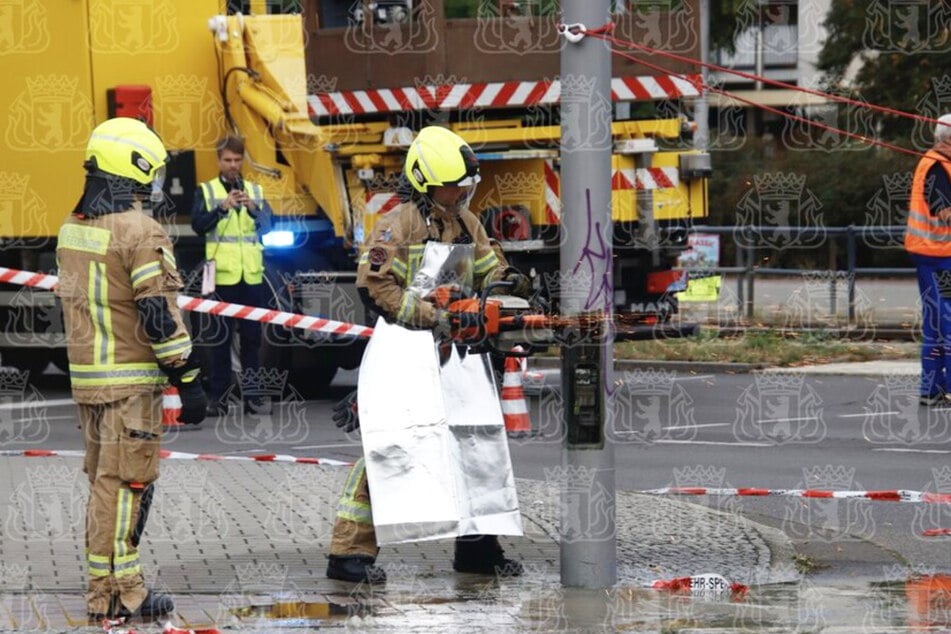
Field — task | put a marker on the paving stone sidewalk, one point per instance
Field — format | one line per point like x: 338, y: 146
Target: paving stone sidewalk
x: 234, y: 540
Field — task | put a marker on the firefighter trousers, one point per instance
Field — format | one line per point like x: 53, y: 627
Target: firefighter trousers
x: 353, y: 528
x: 122, y: 453
x: 354, y: 535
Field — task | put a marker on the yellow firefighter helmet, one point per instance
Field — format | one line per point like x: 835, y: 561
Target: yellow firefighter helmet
x: 439, y: 157
x: 127, y: 148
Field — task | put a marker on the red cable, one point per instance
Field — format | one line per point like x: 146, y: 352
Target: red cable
x: 771, y: 82
x: 608, y: 27
x: 575, y: 28
x: 777, y: 111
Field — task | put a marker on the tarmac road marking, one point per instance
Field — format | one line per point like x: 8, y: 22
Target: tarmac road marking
x: 686, y: 377
x: 867, y: 414
x: 53, y: 402
x: 698, y: 426
x: 236, y: 451
x: 41, y: 418
x: 909, y: 450
x: 671, y: 441
x: 330, y: 446
x: 785, y: 420
x: 694, y: 377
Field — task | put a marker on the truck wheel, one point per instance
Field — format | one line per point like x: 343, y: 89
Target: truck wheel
x: 32, y: 360
x: 312, y: 382
x: 61, y: 360
x: 307, y: 379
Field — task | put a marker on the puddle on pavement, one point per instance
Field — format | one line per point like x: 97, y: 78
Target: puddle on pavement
x: 921, y: 603
x: 291, y: 614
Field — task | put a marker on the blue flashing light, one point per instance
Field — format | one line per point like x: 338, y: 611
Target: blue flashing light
x: 278, y: 239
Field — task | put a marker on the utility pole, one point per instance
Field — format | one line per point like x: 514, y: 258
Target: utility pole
x: 588, y: 535
x: 701, y: 113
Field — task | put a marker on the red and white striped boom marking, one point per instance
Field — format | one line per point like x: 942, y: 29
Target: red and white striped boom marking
x: 645, y: 178
x: 552, y: 193
x: 214, y: 307
x: 381, y: 203
x: 506, y: 94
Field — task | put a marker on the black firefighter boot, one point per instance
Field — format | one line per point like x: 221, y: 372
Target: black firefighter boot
x: 355, y: 568
x: 154, y: 606
x: 482, y: 554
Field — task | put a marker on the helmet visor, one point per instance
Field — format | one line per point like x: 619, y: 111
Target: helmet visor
x: 158, y: 182
x: 453, y: 199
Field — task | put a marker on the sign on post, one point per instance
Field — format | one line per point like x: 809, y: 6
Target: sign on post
x: 701, y: 259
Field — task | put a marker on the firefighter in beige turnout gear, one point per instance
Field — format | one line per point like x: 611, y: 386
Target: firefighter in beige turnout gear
x: 126, y: 341
x: 441, y: 173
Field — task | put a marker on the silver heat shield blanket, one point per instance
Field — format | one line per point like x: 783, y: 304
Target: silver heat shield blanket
x: 434, y: 439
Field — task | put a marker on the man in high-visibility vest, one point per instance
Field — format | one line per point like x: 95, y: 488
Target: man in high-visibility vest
x: 928, y: 240
x: 118, y: 284
x: 232, y: 215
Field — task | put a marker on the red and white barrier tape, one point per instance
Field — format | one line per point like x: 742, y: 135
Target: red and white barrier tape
x: 179, y: 455
x: 936, y: 532
x: 28, y: 278
x: 214, y: 307
x: 893, y: 495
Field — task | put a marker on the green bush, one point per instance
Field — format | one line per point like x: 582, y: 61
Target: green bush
x: 848, y: 185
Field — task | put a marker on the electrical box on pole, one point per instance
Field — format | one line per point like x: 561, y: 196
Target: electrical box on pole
x: 585, y: 418
x: 588, y: 536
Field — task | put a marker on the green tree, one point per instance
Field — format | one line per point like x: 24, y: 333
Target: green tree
x: 900, y: 54
x: 724, y: 23
x: 849, y: 186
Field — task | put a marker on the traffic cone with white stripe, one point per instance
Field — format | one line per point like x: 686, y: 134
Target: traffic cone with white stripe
x: 171, y: 407
x: 514, y: 407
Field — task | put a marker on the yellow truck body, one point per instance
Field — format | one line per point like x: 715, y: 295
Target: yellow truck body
x: 210, y: 73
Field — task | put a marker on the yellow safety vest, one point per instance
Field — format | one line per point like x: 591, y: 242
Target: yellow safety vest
x: 233, y: 244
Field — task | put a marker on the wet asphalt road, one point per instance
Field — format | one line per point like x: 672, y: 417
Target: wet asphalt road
x: 790, y: 431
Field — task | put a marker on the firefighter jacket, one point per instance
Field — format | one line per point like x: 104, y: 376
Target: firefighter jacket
x: 925, y: 233
x: 106, y: 264
x: 394, y: 250
x: 232, y: 239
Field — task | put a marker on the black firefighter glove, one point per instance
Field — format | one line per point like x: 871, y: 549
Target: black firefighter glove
x: 345, y: 413
x: 186, y: 378
x: 521, y: 283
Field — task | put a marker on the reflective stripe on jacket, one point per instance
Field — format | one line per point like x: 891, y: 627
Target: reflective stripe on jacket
x: 233, y: 244
x: 925, y: 234
x: 393, y: 253
x: 106, y: 264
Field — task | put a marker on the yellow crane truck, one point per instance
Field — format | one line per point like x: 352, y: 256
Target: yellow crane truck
x: 328, y: 95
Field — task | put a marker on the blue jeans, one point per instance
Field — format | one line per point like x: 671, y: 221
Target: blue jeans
x: 934, y: 278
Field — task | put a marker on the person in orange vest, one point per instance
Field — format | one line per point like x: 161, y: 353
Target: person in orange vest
x: 928, y: 240
x: 232, y: 215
